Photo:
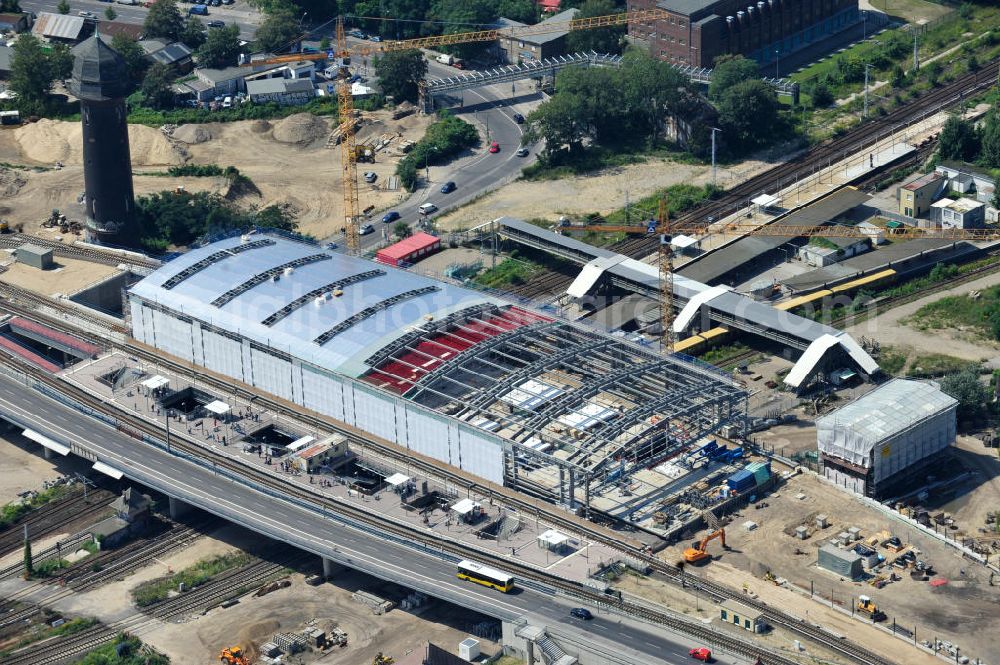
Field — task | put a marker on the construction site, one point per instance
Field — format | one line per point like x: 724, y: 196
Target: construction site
x: 665, y: 445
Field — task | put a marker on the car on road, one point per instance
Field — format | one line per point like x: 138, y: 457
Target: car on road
x: 427, y: 208
x: 86, y: 14
x: 701, y: 653
x: 448, y: 187
x: 216, y: 24
x: 390, y: 216
x: 518, y: 118
x: 357, y: 34
x: 522, y: 152
x: 581, y: 613
x: 332, y: 245
x: 370, y: 176
x: 494, y: 147
x: 366, y: 229
x: 375, y: 38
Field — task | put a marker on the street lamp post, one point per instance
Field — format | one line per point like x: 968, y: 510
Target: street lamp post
x: 777, y: 63
x: 714, y: 130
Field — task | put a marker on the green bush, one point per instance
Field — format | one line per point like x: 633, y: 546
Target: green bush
x: 445, y: 138
x: 159, y: 589
x: 125, y: 650
x: 49, y: 567
x: 12, y: 512
x: 196, y: 170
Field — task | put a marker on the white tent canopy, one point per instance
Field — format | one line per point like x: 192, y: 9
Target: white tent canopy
x: 217, y: 407
x: 464, y: 507
x: 766, y: 201
x: 300, y: 443
x: 397, y: 479
x: 155, y: 382
x: 552, y: 539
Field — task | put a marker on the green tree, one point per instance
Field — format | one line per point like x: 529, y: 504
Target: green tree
x: 193, y: 33
x: 562, y: 122
x: 164, y: 19
x: 156, y: 87
x: 897, y: 77
x: 400, y: 72
x: 821, y: 95
x: 63, y: 7
x: 324, y: 44
x: 651, y: 90
x: 959, y: 140
x: 970, y: 392
x: 10, y: 7
x: 461, y: 16
x: 748, y: 114
x: 136, y: 63
x: 60, y: 61
x: 30, y: 74
x: 279, y: 30
x: 729, y: 71
x: 221, y: 48
x: 990, y: 141
x: 110, y: 13
x: 29, y: 563
x: 525, y: 11
x: 602, y: 40
x: 401, y: 230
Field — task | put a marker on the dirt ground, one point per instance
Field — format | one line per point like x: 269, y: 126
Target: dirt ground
x: 22, y: 466
x: 289, y: 163
x: 602, y: 192
x: 947, y: 611
x: 68, y: 276
x: 973, y: 499
x: 888, y: 328
x: 253, y: 621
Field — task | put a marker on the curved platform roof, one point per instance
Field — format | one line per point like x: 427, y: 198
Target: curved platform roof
x: 328, y: 308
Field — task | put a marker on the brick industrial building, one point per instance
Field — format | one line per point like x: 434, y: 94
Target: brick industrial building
x: 698, y: 31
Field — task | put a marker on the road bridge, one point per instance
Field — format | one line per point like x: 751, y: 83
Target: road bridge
x: 549, y: 67
x: 609, y: 638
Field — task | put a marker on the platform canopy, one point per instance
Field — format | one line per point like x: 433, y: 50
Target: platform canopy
x: 218, y: 407
x: 464, y: 507
x: 155, y: 382
x: 683, y: 241
x: 766, y: 201
x: 397, y: 479
x: 300, y: 443
x: 552, y: 539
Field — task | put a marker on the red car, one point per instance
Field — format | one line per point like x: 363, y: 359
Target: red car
x: 494, y: 147
x: 701, y: 653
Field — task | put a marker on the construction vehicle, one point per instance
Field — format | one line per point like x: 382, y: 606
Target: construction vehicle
x: 381, y: 659
x: 233, y: 656
x: 698, y: 553
x: 867, y: 607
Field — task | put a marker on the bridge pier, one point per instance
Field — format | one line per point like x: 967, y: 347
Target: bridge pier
x: 331, y: 568
x: 178, y: 508
x: 46, y: 452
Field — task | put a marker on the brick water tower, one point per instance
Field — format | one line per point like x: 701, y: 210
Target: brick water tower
x: 101, y: 83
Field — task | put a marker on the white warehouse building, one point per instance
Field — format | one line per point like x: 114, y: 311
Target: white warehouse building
x: 887, y: 438
x: 504, y: 392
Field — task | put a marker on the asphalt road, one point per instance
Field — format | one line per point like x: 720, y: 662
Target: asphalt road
x: 322, y: 535
x: 489, y: 108
x: 238, y: 13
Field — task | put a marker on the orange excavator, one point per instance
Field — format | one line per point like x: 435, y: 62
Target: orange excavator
x: 698, y: 553
x: 233, y: 656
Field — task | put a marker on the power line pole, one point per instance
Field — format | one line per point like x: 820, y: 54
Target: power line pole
x: 866, y: 91
x: 714, y: 130
x: 916, y: 52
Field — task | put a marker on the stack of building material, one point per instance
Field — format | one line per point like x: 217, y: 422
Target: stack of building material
x: 741, y: 481
x: 761, y: 472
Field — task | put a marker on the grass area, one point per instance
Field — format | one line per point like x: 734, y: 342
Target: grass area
x: 934, y: 365
x: 586, y: 161
x: 125, y: 650
x: 49, y: 568
x: 720, y: 354
x: 914, y: 11
x: 511, y: 271
x: 892, y: 360
x: 979, y: 310
x: 43, y: 631
x: 12, y: 512
x: 825, y: 243
x: 159, y: 589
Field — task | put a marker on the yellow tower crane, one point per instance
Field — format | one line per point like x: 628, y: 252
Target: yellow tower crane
x: 345, y: 99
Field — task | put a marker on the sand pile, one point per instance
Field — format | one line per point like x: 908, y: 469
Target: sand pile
x: 260, y: 126
x: 301, y: 128
x: 50, y: 141
x: 193, y: 134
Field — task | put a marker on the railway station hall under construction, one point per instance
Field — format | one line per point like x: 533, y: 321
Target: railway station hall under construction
x: 512, y: 395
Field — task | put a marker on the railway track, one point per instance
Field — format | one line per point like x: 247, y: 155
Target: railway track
x: 35, y: 301
x: 53, y: 516
x: 226, y: 585
x: 816, y: 634
x: 108, y: 257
